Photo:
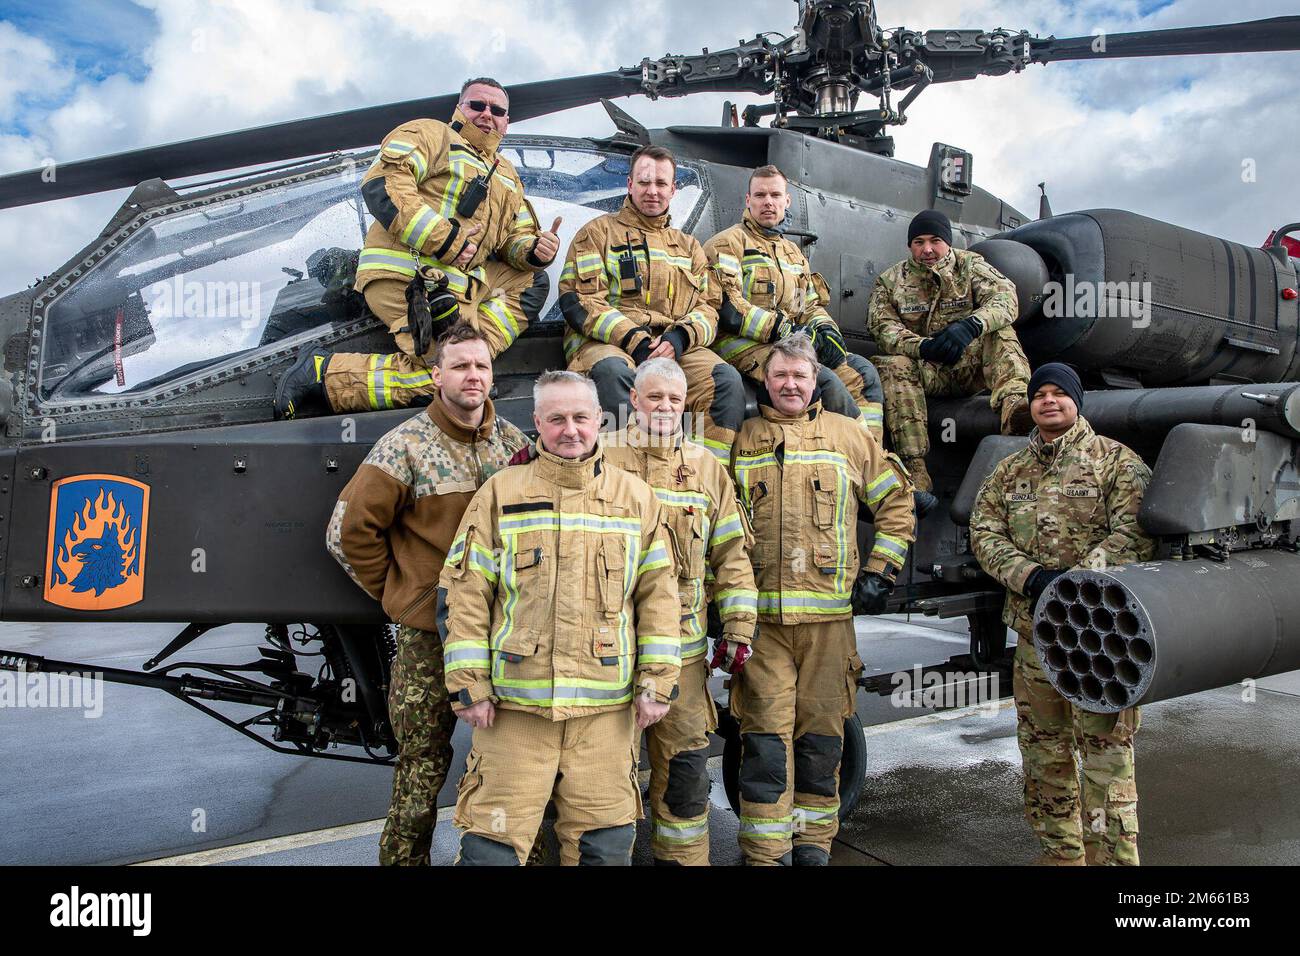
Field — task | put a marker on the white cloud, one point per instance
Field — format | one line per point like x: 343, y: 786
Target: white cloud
x: 1165, y: 137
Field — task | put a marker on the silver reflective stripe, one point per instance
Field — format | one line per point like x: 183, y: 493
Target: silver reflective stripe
x: 466, y: 654
x: 763, y: 827
x: 681, y: 832
x: 693, y: 648
x: 560, y: 692
x: 814, y: 816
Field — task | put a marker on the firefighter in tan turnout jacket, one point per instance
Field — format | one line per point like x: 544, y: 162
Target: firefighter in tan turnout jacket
x: 445, y: 202
x: 709, y: 539
x: 801, y: 473
x: 769, y: 290
x: 391, y: 529
x: 561, y: 637
x: 633, y: 288
x: 1071, y: 499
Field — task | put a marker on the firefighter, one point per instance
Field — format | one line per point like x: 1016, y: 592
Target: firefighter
x: 769, y: 290
x: 709, y: 543
x: 633, y: 288
x: 560, y: 620
x: 801, y: 473
x: 942, y: 317
x: 453, y: 237
x: 391, y: 529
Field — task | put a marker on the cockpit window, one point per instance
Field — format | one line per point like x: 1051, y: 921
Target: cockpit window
x: 194, y: 289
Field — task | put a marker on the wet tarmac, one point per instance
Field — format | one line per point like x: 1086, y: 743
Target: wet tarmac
x: 151, y: 779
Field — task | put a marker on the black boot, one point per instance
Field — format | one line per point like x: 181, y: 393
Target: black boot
x: 811, y: 856
x: 301, y: 391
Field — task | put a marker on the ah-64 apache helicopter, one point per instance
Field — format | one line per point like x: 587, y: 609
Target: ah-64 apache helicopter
x: 139, y: 447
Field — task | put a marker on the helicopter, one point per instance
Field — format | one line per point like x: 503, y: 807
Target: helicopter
x: 143, y: 478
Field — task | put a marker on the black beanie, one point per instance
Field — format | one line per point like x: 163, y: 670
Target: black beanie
x: 930, y: 222
x: 1062, y: 376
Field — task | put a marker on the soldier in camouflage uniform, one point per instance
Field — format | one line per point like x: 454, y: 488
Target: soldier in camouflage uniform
x: 924, y: 314
x: 1070, y: 499
x: 391, y: 530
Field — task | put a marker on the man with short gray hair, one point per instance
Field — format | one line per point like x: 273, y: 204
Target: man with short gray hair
x: 710, y: 545
x: 560, y: 621
x: 802, y: 472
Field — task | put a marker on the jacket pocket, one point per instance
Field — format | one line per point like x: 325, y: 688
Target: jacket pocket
x: 687, y: 528
x: 611, y: 562
x: 825, y: 487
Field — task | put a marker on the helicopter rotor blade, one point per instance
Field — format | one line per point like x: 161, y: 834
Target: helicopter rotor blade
x: 349, y: 129
x: 1257, y: 36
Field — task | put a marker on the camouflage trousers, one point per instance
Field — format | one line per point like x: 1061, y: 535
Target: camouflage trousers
x: 1053, y: 736
x: 852, y: 388
x: 994, y: 361
x: 500, y: 308
x: 423, y: 722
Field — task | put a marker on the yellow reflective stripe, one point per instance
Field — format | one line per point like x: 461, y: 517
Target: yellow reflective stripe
x: 726, y: 530
x: 502, y: 318
x: 418, y: 229
x: 655, y: 556
x: 568, y: 521
x: 728, y: 264
x: 884, y: 484
x: 721, y: 449
x: 889, y: 546
x: 587, y: 265
x: 731, y: 347
x: 567, y: 274
x: 606, y: 323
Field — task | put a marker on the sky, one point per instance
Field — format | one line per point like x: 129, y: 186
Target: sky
x: 1203, y: 142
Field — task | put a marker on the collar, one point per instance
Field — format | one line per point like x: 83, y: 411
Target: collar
x: 485, y: 143
x: 567, y: 473
x: 940, y: 269
x: 753, y: 225
x: 1079, y: 433
x: 652, y: 446
x: 449, y: 426
x: 629, y: 215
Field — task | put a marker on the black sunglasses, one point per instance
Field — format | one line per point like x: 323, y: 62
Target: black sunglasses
x: 482, y: 106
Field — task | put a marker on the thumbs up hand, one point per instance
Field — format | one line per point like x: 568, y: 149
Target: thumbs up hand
x: 548, y: 243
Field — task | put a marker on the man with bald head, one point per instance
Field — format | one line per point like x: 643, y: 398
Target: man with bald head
x: 560, y: 620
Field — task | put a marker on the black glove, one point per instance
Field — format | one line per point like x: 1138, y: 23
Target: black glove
x: 828, y: 342
x: 870, y: 591
x: 431, y: 309
x: 713, y: 627
x: 1038, y: 582
x: 946, y: 346
x: 641, y: 352
x: 782, y: 327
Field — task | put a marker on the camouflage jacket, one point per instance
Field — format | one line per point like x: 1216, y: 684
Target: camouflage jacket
x: 561, y: 592
x: 763, y: 276
x: 801, y: 480
x: 910, y: 302
x: 412, y: 190
x: 710, y: 537
x: 395, y: 520
x: 1063, y: 504
x: 671, y: 288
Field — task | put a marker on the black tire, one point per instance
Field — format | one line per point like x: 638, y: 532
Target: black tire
x: 853, y: 765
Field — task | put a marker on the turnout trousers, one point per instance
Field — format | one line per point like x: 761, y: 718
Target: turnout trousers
x: 1055, y: 737
x: 587, y: 765
x: 791, y: 700
x: 678, y: 747
x: 500, y: 308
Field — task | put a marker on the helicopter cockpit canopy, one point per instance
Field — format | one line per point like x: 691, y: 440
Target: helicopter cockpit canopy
x: 197, y: 286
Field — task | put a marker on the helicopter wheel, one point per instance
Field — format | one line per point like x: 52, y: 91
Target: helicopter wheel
x: 853, y: 763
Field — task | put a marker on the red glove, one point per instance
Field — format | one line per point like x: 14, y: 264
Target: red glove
x: 730, y: 656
